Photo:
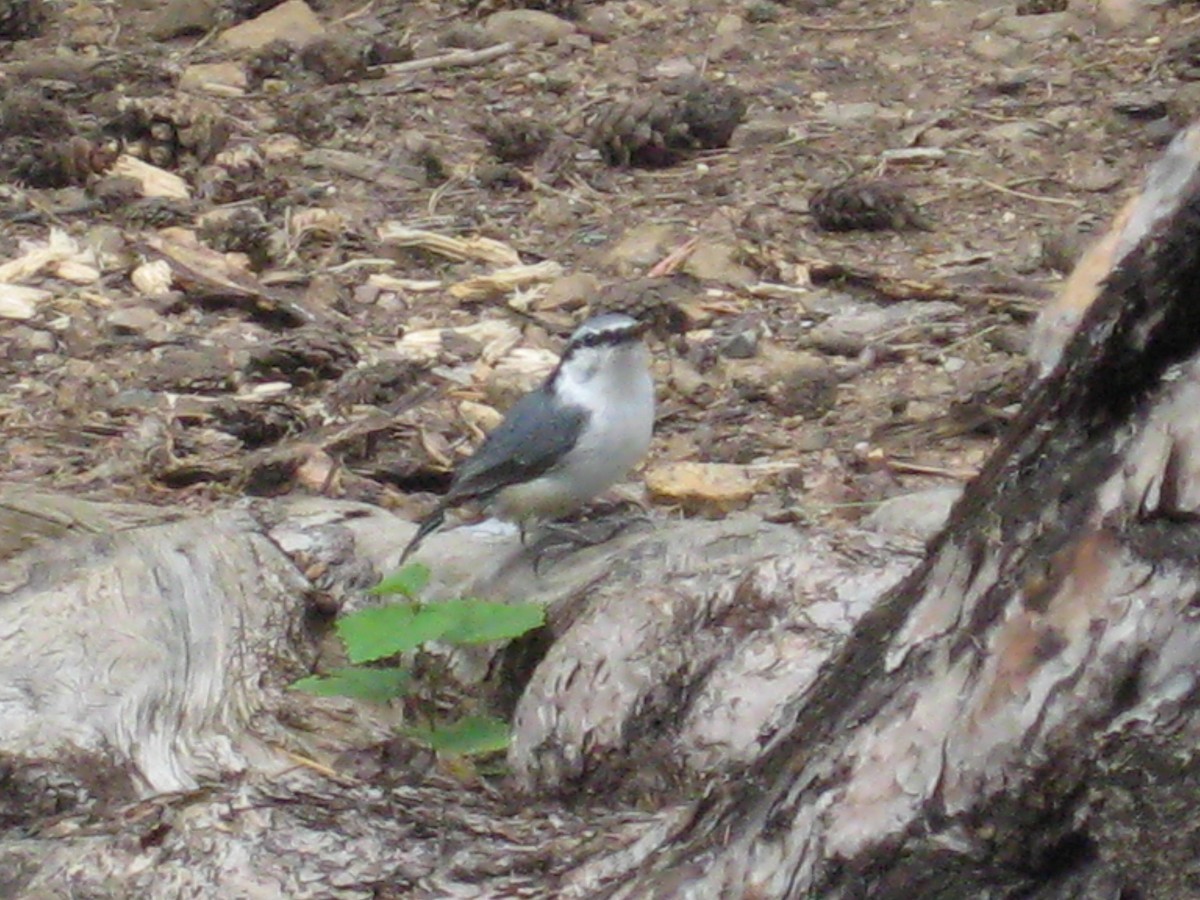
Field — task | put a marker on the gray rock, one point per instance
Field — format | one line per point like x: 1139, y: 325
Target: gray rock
x: 182, y: 17
x: 526, y: 26
x: 918, y: 515
x: 1038, y: 28
x: 742, y: 344
x: 995, y: 48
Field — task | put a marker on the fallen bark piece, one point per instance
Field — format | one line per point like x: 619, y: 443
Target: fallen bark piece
x: 706, y: 489
x: 20, y: 302
x: 59, y: 255
x: 477, y: 248
x: 155, y: 182
x: 505, y: 281
x: 207, y: 275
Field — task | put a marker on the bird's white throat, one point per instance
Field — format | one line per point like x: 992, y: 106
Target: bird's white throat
x: 601, y: 379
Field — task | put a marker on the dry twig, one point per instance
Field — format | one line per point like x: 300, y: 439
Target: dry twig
x: 453, y: 59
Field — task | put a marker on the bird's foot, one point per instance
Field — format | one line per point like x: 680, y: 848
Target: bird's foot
x: 558, y: 539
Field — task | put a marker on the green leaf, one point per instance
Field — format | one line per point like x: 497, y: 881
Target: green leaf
x: 409, y: 581
x: 469, y: 736
x: 480, y: 621
x: 360, y: 683
x: 384, y: 631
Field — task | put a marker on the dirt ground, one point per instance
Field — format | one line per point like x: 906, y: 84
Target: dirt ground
x: 263, y: 324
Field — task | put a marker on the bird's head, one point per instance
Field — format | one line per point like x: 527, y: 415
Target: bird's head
x: 608, y: 347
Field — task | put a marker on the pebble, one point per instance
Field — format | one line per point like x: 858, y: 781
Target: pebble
x: 742, y: 344
x: 36, y: 340
x: 730, y: 39
x: 795, y: 384
x: 763, y: 132
x: 293, y: 22
x: 676, y: 67
x: 133, y: 320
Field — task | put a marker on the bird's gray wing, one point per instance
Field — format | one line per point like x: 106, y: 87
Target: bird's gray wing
x: 525, y: 445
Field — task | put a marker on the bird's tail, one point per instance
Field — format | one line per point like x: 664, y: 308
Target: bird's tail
x: 429, y: 524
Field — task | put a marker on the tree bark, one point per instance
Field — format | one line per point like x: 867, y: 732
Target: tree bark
x: 1019, y: 717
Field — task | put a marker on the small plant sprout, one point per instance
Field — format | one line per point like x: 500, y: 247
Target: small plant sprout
x: 375, y: 637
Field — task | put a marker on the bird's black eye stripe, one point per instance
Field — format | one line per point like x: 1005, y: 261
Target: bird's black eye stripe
x: 609, y: 337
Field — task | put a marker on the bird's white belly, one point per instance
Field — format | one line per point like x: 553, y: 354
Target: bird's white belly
x: 601, y: 458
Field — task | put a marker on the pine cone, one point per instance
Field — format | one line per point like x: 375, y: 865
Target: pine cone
x: 21, y: 19
x: 242, y: 230
x: 42, y: 163
x: 661, y: 130
x: 514, y: 139
x: 162, y: 130
x: 1182, y: 58
x: 1040, y: 7
x: 866, y: 206
x: 157, y: 212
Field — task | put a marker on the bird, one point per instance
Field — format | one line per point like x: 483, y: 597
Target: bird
x: 567, y: 440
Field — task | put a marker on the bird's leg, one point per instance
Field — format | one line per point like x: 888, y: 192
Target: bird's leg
x: 559, y: 538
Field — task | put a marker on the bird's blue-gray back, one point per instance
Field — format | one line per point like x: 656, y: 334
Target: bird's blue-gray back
x: 520, y: 449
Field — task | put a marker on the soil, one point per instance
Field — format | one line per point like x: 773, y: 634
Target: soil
x: 842, y: 284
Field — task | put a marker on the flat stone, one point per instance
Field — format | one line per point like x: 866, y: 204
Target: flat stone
x: 919, y: 515
x: 729, y: 41
x: 35, y: 340
x: 571, y: 292
x: 742, y: 344
x: 763, y: 132
x: 526, y: 26
x: 640, y: 247
x: 794, y: 383
x: 1016, y: 132
x: 1045, y: 27
x: 730, y: 24
x: 676, y: 67
x: 183, y: 17
x: 133, y: 320
x: 995, y: 48
x: 604, y: 22
x: 716, y: 261
x: 1133, y: 15
x: 292, y: 22
x: 1097, y: 178
x: 849, y: 113
x: 707, y: 489
x: 850, y: 331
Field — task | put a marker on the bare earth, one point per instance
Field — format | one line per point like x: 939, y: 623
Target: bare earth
x: 835, y: 369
